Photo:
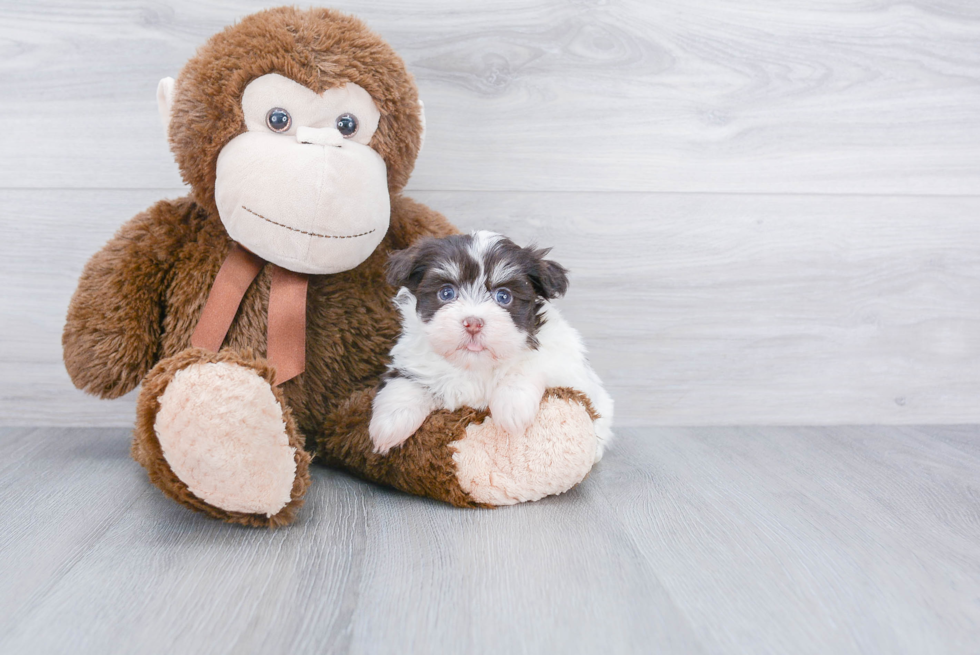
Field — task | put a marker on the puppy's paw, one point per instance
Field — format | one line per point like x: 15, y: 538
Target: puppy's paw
x: 390, y: 428
x: 390, y: 431
x: 513, y: 408
x: 400, y: 408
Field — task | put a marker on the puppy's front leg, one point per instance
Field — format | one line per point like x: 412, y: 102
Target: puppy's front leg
x: 515, y: 402
x: 400, y: 408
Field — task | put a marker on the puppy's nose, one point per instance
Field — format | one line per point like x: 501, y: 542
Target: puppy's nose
x: 473, y: 324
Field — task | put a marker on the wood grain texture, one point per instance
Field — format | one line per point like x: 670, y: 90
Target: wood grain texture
x: 683, y: 540
x: 795, y: 279
x: 856, y: 96
x: 698, y: 309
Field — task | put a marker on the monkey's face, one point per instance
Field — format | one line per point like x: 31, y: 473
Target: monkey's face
x: 301, y: 187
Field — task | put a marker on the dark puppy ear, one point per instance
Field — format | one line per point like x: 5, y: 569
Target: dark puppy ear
x: 549, y: 278
x: 405, y: 268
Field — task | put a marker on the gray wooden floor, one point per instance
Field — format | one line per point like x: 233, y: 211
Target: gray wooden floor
x: 683, y: 540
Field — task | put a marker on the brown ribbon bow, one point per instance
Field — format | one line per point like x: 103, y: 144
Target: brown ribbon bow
x: 286, y: 338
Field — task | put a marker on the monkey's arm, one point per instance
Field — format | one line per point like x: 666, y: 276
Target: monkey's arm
x: 423, y: 465
x: 113, y: 327
x: 463, y: 458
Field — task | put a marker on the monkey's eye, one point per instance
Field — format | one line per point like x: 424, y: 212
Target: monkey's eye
x: 503, y: 297
x: 347, y: 125
x: 446, y: 293
x: 278, y: 119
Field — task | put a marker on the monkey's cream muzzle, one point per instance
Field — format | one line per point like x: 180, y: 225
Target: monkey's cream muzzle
x: 307, y: 207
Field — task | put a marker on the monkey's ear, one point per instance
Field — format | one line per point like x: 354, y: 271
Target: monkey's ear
x: 165, y: 101
x: 549, y: 278
x: 405, y: 269
x: 421, y: 118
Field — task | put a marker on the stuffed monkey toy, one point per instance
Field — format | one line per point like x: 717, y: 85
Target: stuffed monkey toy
x: 255, y: 311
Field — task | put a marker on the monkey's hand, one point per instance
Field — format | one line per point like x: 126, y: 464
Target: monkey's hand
x: 113, y: 328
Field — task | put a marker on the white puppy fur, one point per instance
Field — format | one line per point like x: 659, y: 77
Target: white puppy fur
x: 520, y: 348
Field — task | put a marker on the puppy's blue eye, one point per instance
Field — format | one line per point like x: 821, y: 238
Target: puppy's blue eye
x: 447, y: 293
x: 278, y: 119
x: 502, y: 296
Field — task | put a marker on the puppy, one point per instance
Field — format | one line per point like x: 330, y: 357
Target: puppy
x: 478, y: 330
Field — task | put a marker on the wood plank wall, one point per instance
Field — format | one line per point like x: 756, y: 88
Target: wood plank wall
x: 771, y: 209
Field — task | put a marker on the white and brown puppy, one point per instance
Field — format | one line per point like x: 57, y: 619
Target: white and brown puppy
x: 478, y: 330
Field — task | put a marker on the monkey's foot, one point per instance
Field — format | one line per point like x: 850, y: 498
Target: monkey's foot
x: 552, y: 456
x: 216, y: 436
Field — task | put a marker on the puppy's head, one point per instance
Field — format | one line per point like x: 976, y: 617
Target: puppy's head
x: 478, y: 297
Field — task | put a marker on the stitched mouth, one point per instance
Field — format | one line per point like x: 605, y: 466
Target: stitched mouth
x: 312, y: 234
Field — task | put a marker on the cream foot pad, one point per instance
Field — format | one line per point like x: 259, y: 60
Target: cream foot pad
x: 554, y: 455
x: 222, y: 432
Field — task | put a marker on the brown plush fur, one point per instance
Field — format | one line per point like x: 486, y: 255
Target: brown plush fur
x: 423, y: 465
x: 566, y: 393
x: 140, y: 298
